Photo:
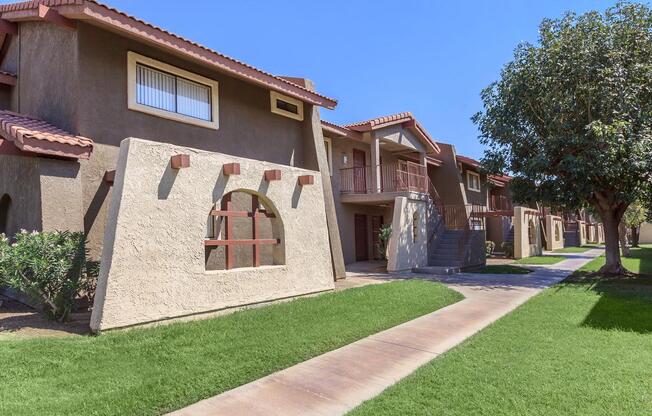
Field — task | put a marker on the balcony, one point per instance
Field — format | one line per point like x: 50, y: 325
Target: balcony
x: 383, y: 181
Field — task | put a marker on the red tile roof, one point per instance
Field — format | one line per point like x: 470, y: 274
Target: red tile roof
x: 30, y: 134
x: 125, y: 23
x: 400, y: 118
x: 468, y: 161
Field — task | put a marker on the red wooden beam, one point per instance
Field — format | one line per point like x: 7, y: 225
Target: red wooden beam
x: 255, y: 230
x: 8, y: 27
x: 7, y: 79
x: 231, y: 169
x: 242, y: 214
x: 227, y: 205
x: 306, y: 180
x: 243, y: 242
x: 180, y: 161
x: 109, y: 177
x: 273, y: 175
x: 50, y: 15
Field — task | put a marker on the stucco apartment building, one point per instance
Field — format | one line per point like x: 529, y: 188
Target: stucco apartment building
x: 106, y: 123
x: 389, y: 171
x: 77, y: 78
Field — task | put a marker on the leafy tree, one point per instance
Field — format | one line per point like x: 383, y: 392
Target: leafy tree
x: 571, y: 117
x: 635, y: 215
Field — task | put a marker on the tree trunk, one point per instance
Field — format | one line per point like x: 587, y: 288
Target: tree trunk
x: 611, y: 219
x: 622, y: 237
x: 634, y: 236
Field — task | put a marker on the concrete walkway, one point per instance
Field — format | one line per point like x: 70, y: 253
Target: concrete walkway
x: 338, y: 381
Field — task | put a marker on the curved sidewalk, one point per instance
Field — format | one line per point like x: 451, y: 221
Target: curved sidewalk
x: 338, y: 381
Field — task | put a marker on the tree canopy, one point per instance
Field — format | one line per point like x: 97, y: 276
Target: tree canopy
x: 571, y: 117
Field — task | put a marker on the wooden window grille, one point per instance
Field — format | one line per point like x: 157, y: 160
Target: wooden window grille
x: 228, y: 214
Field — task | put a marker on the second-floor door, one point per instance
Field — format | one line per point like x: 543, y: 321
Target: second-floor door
x: 359, y: 171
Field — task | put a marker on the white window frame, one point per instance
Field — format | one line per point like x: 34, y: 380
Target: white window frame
x: 133, y: 59
x: 469, y: 186
x: 329, y: 154
x: 273, y: 96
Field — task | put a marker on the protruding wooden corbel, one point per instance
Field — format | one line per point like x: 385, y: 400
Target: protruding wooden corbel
x: 230, y: 169
x: 109, y: 177
x: 180, y: 161
x: 273, y: 175
x: 306, y: 180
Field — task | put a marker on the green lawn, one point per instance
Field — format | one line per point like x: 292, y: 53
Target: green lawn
x: 540, y: 260
x: 583, y: 347
x: 150, y: 371
x: 640, y: 261
x: 574, y: 249
x: 502, y: 269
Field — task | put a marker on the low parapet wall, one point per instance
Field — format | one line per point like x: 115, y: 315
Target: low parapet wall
x: 554, y: 232
x: 154, y: 261
x: 527, y: 233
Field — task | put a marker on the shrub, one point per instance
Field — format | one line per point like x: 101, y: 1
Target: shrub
x: 508, y: 248
x: 489, y: 247
x: 383, y: 239
x: 50, y: 267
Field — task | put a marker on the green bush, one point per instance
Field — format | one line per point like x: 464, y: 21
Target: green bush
x: 50, y: 267
x: 384, y: 234
x: 489, y: 247
x: 508, y: 248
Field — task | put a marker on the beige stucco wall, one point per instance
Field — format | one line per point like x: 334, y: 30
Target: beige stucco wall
x: 404, y: 253
x: 45, y: 193
x: 522, y: 246
x: 153, y: 256
x: 582, y: 228
x: 645, y: 236
x: 554, y: 232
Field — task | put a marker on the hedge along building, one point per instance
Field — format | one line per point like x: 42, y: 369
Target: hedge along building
x: 118, y: 77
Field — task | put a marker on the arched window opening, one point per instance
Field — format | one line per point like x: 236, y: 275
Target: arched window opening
x: 415, y: 227
x: 557, y: 232
x: 244, y: 230
x: 532, y: 232
x: 5, y: 206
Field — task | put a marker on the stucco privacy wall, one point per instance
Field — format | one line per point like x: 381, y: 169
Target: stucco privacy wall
x: 524, y: 219
x: 405, y: 252
x: 555, y: 232
x: 645, y: 236
x: 153, y: 255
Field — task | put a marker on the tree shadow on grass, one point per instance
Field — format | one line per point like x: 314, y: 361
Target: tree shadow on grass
x: 625, y: 304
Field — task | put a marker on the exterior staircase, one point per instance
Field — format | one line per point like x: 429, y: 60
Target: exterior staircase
x: 446, y: 257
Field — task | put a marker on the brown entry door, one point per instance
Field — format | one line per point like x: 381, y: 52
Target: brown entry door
x: 359, y: 171
x: 376, y: 223
x: 361, y: 242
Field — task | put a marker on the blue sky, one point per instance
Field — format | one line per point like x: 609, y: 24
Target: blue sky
x: 375, y: 57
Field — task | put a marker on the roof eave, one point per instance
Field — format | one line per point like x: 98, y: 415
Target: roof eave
x: 117, y: 21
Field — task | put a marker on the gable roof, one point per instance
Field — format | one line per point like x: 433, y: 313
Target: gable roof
x: 468, y: 161
x: 30, y: 134
x: 406, y: 119
x: 108, y: 17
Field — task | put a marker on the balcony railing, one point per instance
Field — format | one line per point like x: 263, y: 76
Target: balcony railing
x: 400, y: 176
x: 500, y: 203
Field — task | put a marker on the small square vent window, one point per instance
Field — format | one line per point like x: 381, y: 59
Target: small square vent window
x: 286, y: 106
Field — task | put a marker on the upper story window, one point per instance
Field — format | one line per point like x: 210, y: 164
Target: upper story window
x: 286, y: 106
x: 169, y: 92
x: 472, y: 181
x: 328, y: 145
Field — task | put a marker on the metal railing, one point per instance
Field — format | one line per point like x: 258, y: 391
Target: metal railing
x: 399, y: 176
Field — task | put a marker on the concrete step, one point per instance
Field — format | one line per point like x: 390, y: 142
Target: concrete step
x: 440, y: 270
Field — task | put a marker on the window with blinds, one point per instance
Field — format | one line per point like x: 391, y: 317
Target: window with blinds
x: 169, y: 92
x: 172, y: 93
